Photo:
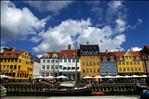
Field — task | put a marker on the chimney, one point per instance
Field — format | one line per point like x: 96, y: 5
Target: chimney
x: 69, y: 47
x: 87, y: 42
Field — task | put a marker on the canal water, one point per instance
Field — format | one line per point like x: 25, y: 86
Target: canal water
x: 73, y: 97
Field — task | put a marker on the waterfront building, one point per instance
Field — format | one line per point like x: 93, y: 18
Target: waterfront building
x: 108, y: 64
x: 69, y: 64
x: 16, y: 63
x: 89, y: 57
x: 129, y: 63
x: 49, y: 64
x: 145, y: 58
x: 36, y: 67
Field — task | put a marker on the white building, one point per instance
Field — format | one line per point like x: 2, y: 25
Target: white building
x: 36, y: 67
x: 69, y: 64
x: 49, y: 64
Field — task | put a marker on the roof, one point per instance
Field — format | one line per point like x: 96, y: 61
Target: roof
x: 89, y: 47
x: 12, y: 53
x: 147, y: 47
x: 68, y: 53
x: 106, y: 54
x: 119, y: 53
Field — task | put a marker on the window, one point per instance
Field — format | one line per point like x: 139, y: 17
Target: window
x: 43, y: 66
x: 56, y: 61
x: 19, y: 67
x: 83, y: 70
x: 97, y: 63
x: 123, y: 63
x: 124, y: 69
x: 44, y: 61
x: 94, y: 63
x: 48, y: 61
x: 136, y: 69
x: 90, y: 70
x: 127, y: 63
x: 77, y: 60
x: 52, y: 61
x: 119, y: 63
x: 131, y: 63
x: 60, y: 60
x: 52, y: 66
x: 73, y: 60
x: 15, y: 66
x: 86, y: 70
x: 56, y: 67
x: 128, y: 69
x: 120, y: 69
x: 42, y: 74
x: 139, y: 69
x: 69, y: 60
x: 48, y: 66
x: 60, y: 66
x: 90, y: 63
x: 11, y: 67
x: 86, y: 63
x: 65, y: 60
x: 132, y: 69
x: 138, y: 63
x: 47, y: 74
x: 82, y: 63
x: 134, y: 62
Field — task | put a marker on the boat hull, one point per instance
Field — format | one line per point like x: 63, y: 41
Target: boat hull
x: 69, y: 92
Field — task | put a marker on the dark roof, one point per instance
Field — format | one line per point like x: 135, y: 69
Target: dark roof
x: 89, y: 47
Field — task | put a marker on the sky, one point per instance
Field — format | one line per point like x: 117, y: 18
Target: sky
x: 41, y: 26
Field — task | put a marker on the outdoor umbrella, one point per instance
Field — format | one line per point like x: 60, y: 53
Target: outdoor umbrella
x: 98, y: 77
x: 62, y: 76
x: 87, y: 77
x: 5, y: 76
x: 118, y: 76
x: 49, y: 77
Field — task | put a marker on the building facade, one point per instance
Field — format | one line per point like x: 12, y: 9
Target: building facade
x: 16, y: 63
x: 49, y: 64
x: 89, y: 57
x: 36, y: 67
x: 129, y: 63
x: 145, y: 58
x: 69, y: 64
x: 108, y: 64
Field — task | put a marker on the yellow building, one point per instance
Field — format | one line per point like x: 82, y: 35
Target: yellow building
x: 89, y: 59
x: 129, y: 63
x: 16, y: 63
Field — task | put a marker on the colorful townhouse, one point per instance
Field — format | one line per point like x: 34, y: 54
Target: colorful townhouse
x: 69, y: 64
x: 145, y: 57
x: 16, y: 63
x: 89, y: 57
x: 108, y: 64
x: 49, y: 64
x: 129, y: 63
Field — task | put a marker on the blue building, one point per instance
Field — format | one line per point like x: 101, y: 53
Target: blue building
x: 108, y: 64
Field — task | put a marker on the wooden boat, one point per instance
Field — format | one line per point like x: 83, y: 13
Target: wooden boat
x: 3, y: 91
x: 68, y: 89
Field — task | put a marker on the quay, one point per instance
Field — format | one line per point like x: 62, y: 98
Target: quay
x: 38, y: 89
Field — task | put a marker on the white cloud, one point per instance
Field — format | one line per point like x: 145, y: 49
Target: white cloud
x: 120, y: 25
x: 115, y: 4
x: 58, y: 37
x: 135, y: 25
x: 136, y: 49
x: 18, y: 23
x: 54, y: 6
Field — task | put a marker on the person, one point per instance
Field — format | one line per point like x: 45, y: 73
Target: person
x: 144, y: 94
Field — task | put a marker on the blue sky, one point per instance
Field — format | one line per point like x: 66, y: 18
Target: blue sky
x: 38, y: 26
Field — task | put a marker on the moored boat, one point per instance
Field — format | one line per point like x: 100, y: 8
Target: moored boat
x: 69, y: 90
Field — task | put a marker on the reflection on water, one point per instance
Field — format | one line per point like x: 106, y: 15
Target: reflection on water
x: 73, y: 97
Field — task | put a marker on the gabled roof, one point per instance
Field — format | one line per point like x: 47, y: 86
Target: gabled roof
x: 12, y: 53
x: 68, y: 54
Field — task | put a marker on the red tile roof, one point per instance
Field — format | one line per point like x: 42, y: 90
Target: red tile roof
x: 119, y: 53
x: 106, y: 54
x: 68, y: 54
x: 147, y: 47
x: 12, y: 53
